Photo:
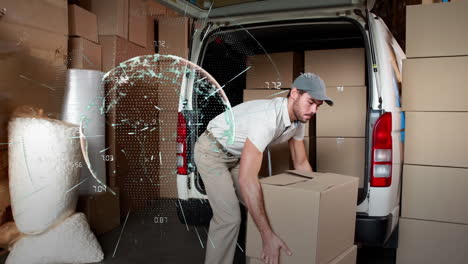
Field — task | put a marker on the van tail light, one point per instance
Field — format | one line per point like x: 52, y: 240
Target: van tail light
x: 381, y: 170
x: 181, y: 145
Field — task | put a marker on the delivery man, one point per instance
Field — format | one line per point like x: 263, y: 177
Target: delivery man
x: 229, y: 169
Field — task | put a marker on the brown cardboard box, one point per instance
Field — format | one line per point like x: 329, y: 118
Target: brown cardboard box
x: 84, y: 54
x: 280, y: 160
x: 425, y: 78
x: 156, y: 9
x: 168, y: 169
x: 113, y: 17
x: 342, y: 155
x: 168, y: 149
x: 168, y: 184
x: 250, y: 260
x: 50, y: 15
x: 347, y: 257
x: 82, y: 23
x: 327, y: 205
x: 33, y: 71
x: 262, y: 94
x: 102, y: 211
x: 86, y: 4
x: 435, y: 193
x: 168, y: 114
x: 427, y: 242
x: 337, y: 67
x: 347, y: 117
x: 257, y: 94
x: 140, y: 97
x: 437, y: 30
x: 273, y: 70
x: 168, y: 127
x: 436, y: 138
x: 116, y: 50
x: 4, y: 193
x: 172, y: 13
x: 138, y: 22
x: 173, y: 36
x: 39, y: 42
x: 168, y: 98
x: 307, y: 146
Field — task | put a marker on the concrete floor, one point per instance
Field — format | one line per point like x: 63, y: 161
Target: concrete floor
x: 144, y: 241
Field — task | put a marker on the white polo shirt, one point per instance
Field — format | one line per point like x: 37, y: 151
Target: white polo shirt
x: 264, y: 122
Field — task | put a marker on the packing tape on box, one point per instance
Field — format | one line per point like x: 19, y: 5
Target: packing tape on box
x: 83, y: 98
x: 340, y: 141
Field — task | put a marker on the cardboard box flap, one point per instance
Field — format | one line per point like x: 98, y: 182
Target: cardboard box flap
x: 282, y: 180
x: 306, y: 174
x: 328, y: 179
x: 288, y: 177
x: 310, y: 181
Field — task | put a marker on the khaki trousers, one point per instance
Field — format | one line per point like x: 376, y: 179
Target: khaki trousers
x: 219, y: 171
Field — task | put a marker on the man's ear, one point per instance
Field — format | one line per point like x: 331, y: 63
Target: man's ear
x: 294, y: 93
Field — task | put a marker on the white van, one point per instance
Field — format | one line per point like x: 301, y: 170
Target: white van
x: 226, y: 35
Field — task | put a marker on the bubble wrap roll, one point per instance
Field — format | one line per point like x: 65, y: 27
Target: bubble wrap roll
x: 83, y: 99
x: 44, y: 166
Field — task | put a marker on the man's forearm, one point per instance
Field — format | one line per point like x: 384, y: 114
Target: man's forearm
x: 253, y: 196
x: 303, y: 166
x: 251, y: 160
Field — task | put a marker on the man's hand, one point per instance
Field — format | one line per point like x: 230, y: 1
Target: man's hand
x: 272, y: 245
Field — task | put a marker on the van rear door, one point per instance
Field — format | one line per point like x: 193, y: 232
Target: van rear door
x: 236, y: 8
x: 210, y: 15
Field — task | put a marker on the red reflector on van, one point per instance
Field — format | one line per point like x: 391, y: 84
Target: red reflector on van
x: 181, y: 145
x: 382, y: 147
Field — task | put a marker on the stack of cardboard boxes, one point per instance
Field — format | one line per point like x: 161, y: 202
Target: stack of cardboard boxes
x: 103, y: 34
x: 33, y: 36
x: 169, y: 92
x: 434, y: 223
x: 271, y: 75
x: 126, y: 29
x: 41, y: 39
x: 88, y: 50
x: 172, y: 38
x: 123, y: 29
x: 83, y: 44
x: 340, y: 130
x: 313, y: 213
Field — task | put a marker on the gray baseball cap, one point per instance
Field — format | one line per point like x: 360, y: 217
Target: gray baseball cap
x: 313, y: 85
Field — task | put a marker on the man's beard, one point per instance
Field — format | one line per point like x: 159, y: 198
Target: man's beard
x: 298, y: 116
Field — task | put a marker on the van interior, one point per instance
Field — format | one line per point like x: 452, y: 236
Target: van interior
x: 227, y: 52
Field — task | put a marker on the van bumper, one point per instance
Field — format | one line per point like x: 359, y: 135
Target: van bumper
x: 372, y: 230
